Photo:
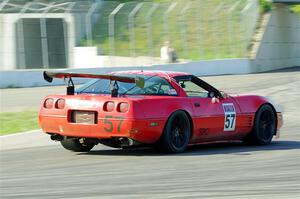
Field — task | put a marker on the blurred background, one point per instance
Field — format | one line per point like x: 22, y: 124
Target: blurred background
x: 44, y: 34
x: 59, y: 34
x: 203, y: 37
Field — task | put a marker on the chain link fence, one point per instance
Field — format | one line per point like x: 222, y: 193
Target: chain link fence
x: 196, y: 30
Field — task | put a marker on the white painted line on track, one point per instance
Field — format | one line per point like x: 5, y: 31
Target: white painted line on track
x: 34, y: 138
x: 20, y: 133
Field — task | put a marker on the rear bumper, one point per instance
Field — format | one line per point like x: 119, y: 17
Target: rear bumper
x: 140, y: 130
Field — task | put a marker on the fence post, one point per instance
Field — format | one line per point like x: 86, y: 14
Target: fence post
x: 111, y: 28
x: 70, y: 7
x: 199, y: 32
x: 21, y: 47
x: 230, y: 27
x: 44, y: 42
x: 21, y: 53
x: 165, y: 17
x: 131, y: 26
x: 244, y: 26
x: 149, y: 28
x: 252, y: 18
x: 69, y: 61
x: 183, y: 28
x: 88, y: 22
x: 3, y: 4
x: 215, y: 30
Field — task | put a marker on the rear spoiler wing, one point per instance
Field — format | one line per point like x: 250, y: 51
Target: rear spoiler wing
x: 48, y: 76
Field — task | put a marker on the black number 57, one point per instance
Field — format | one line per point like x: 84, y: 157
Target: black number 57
x: 229, y: 120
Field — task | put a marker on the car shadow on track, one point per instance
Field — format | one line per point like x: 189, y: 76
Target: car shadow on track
x: 290, y: 69
x: 236, y: 148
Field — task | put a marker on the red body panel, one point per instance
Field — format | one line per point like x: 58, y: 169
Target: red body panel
x: 147, y: 115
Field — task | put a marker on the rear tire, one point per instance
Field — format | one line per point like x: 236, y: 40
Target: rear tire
x: 74, y: 144
x: 264, y: 127
x: 176, y: 135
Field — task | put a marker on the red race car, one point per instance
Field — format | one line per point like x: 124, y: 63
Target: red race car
x: 167, y: 110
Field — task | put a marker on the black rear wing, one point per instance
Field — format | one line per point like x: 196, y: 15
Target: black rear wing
x: 48, y: 76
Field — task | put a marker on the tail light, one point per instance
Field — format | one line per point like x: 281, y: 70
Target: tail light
x: 60, y: 104
x: 48, y: 103
x: 109, y: 106
x: 123, y: 107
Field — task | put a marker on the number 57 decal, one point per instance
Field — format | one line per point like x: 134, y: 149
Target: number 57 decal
x: 230, y: 117
x: 109, y: 126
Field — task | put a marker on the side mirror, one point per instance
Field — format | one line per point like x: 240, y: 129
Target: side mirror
x: 224, y: 95
x: 182, y: 85
x: 215, y: 100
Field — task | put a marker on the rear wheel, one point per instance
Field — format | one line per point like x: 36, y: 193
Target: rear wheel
x: 264, y: 127
x: 77, y: 145
x: 176, y: 134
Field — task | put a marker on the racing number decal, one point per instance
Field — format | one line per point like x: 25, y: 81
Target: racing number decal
x: 229, y: 122
x: 109, y: 126
x: 230, y: 117
x: 121, y: 119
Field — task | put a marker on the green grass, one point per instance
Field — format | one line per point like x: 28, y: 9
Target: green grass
x: 203, y: 30
x: 265, y: 6
x: 13, y: 122
x: 296, y: 9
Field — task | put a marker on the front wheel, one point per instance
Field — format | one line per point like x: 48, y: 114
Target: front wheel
x: 264, y: 127
x: 77, y: 145
x: 176, y: 134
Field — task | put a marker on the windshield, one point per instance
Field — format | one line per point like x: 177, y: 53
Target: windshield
x: 154, y: 85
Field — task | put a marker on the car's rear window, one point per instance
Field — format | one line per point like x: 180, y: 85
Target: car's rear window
x: 154, y: 85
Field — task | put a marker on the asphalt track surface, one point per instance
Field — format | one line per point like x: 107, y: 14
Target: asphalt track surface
x: 34, y: 167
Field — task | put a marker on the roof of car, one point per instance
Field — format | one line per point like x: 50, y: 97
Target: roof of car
x: 165, y: 74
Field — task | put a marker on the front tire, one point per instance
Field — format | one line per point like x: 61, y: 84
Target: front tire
x: 176, y: 135
x: 264, y: 127
x: 77, y: 145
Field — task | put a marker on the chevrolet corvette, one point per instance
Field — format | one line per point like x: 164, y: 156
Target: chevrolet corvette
x: 167, y: 110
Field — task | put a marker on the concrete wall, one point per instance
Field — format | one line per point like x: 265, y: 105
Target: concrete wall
x: 8, y: 31
x: 87, y: 57
x: 30, y: 78
x: 280, y: 45
x: 8, y: 53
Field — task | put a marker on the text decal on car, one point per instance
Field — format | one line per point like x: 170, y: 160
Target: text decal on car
x: 230, y: 117
x: 109, y: 125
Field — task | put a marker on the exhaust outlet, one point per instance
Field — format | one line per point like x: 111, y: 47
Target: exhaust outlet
x: 125, y: 142
x: 56, y: 137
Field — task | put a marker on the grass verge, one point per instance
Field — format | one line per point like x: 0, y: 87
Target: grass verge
x: 13, y: 122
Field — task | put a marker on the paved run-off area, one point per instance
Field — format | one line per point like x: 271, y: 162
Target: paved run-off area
x: 34, y: 167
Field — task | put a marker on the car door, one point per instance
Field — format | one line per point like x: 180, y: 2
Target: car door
x: 214, y: 117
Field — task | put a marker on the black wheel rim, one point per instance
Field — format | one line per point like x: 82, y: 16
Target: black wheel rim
x: 266, y: 125
x: 179, y: 132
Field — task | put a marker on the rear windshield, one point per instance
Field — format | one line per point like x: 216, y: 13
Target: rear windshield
x: 154, y: 85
